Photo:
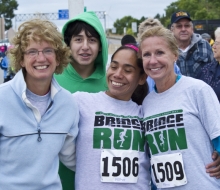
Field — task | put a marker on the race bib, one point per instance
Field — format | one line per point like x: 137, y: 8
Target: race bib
x: 168, y: 170
x: 119, y: 166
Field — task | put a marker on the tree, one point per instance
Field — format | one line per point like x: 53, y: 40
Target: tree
x: 7, y: 8
x: 198, y: 9
x: 126, y: 22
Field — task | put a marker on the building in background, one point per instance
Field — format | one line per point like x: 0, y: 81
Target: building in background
x: 206, y: 26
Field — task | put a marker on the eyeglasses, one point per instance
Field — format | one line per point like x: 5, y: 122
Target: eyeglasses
x: 179, y: 26
x: 48, y: 52
x: 216, y: 43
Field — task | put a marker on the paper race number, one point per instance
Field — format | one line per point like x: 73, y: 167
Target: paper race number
x: 168, y: 170
x: 119, y: 166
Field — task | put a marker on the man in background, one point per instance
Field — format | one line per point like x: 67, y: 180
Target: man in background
x: 208, y: 38
x: 195, y: 52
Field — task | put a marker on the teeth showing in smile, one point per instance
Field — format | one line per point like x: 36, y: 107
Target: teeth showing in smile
x: 85, y: 55
x: 40, y: 67
x: 116, y: 83
x: 156, y: 69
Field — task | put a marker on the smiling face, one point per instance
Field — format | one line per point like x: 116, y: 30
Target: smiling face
x: 84, y: 49
x: 40, y: 67
x: 124, y: 75
x: 158, y: 59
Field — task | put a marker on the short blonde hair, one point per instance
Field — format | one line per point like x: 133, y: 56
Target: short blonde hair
x: 38, y: 30
x: 146, y: 24
x: 166, y: 34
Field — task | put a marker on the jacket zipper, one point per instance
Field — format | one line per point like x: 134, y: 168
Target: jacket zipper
x: 39, y: 139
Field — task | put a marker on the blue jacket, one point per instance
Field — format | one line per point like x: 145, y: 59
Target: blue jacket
x: 5, y: 64
x: 199, y: 53
x: 210, y: 74
x: 31, y: 146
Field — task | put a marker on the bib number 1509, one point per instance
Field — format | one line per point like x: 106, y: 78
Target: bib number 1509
x: 168, y: 170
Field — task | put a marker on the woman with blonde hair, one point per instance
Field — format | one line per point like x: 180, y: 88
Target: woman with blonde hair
x: 145, y: 25
x: 33, y: 137
x: 181, y: 119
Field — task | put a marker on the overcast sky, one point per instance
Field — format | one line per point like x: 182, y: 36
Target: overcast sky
x: 115, y: 9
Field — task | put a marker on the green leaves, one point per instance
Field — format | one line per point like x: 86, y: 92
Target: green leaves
x: 7, y: 8
x: 126, y: 22
x: 198, y: 9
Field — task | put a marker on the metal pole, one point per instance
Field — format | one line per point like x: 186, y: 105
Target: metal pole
x: 105, y: 21
x: 75, y: 7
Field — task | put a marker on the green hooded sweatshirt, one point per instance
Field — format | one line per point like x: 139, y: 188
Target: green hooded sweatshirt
x: 72, y: 81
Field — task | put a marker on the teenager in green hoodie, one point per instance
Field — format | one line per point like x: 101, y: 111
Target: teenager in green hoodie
x: 86, y: 38
x: 86, y: 72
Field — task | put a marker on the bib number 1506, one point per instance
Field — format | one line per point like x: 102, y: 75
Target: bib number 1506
x: 125, y: 166
x: 119, y: 166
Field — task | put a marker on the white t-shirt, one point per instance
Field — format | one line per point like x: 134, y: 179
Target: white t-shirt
x: 110, y: 144
x: 180, y: 124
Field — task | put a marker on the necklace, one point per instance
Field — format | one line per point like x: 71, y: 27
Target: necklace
x: 177, y: 79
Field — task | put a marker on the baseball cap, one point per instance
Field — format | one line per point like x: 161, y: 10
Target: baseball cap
x: 179, y: 15
x: 206, y: 36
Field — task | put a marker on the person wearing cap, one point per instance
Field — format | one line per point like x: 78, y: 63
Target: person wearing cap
x: 208, y: 38
x: 194, y: 52
x: 85, y: 36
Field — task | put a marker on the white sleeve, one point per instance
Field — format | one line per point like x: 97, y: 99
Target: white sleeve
x: 67, y: 154
x: 209, y: 111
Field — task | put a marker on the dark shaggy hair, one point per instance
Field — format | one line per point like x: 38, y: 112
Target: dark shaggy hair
x: 74, y: 28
